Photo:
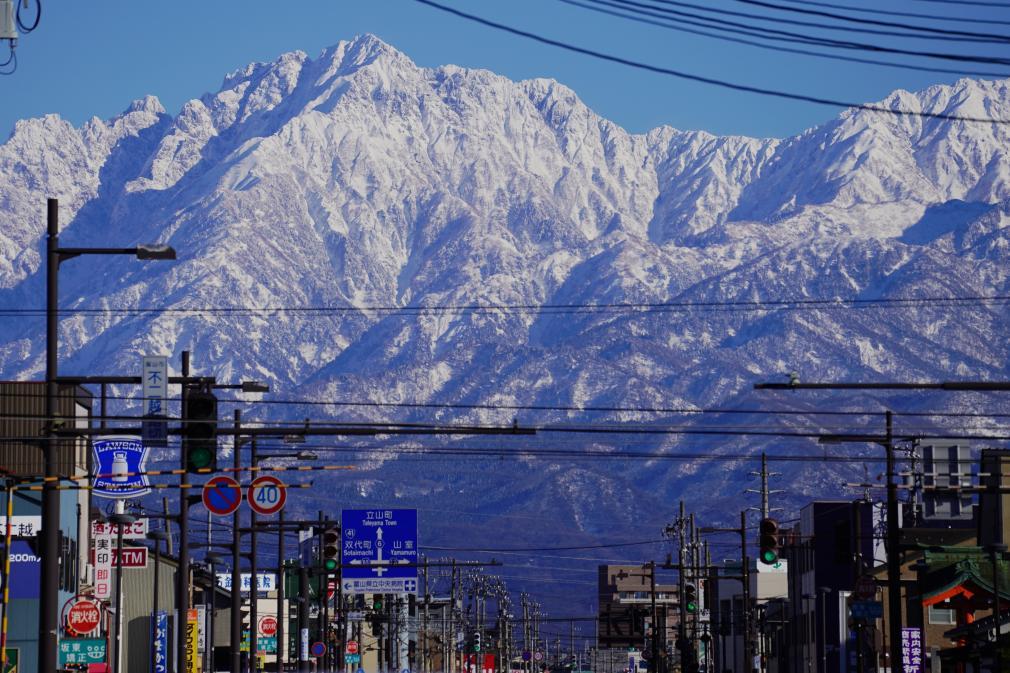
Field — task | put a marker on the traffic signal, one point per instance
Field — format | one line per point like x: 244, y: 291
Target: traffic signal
x: 331, y: 549
x: 377, y: 603
x: 691, y: 598
x: 199, y: 425
x: 769, y: 541
x: 477, y: 645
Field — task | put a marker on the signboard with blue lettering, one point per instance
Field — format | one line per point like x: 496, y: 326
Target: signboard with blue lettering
x: 118, y: 460
x: 159, y: 642
x: 379, y: 551
x: 155, y: 384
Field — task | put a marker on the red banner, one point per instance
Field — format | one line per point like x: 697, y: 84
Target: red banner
x: 133, y: 557
x: 471, y: 661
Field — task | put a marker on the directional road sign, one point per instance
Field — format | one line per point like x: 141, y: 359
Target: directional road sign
x: 866, y: 609
x: 267, y: 495
x: 222, y: 495
x: 379, y: 551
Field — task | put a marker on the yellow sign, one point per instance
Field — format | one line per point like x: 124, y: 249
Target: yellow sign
x: 192, y: 641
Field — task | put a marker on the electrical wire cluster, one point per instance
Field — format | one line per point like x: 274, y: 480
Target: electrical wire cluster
x: 805, y: 27
x: 16, y: 17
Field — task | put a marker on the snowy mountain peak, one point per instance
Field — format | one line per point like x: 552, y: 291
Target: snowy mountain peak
x: 360, y: 186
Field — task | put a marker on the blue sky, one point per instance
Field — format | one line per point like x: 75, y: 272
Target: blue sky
x: 93, y: 58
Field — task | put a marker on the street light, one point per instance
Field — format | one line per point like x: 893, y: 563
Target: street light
x: 49, y: 577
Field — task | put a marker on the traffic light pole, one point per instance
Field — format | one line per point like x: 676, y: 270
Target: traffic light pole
x: 182, y: 578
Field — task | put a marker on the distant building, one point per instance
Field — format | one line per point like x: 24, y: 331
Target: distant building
x: 767, y: 586
x: 625, y: 608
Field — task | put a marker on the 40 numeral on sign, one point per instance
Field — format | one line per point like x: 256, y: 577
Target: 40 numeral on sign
x: 267, y: 495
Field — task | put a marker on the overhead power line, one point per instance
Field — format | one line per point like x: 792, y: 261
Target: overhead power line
x: 824, y: 304
x: 911, y: 15
x: 677, y: 27
x: 876, y: 22
x: 974, y: 3
x: 790, y: 36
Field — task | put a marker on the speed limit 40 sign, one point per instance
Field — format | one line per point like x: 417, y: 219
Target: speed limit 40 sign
x: 267, y: 495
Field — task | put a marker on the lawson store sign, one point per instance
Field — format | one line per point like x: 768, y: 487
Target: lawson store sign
x: 118, y: 461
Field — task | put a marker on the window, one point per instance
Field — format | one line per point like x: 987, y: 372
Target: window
x: 941, y: 615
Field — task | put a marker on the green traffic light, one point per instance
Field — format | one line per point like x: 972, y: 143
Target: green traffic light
x: 768, y: 557
x: 200, y: 458
x: 330, y: 564
x: 692, y: 607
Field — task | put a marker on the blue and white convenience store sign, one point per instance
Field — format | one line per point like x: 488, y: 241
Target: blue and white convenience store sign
x: 119, y: 460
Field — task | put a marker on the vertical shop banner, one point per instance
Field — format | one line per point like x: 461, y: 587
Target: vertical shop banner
x: 103, y: 567
x: 159, y: 642
x: 192, y: 641
x: 911, y: 650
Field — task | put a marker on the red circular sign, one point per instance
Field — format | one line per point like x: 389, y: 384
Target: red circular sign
x: 266, y: 495
x: 352, y: 646
x: 84, y: 617
x: 222, y: 495
x: 268, y: 626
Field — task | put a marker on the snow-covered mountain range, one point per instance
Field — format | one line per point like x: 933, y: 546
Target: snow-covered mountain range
x: 358, y: 179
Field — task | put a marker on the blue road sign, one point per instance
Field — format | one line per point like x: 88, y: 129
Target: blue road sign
x: 118, y: 460
x: 318, y: 649
x: 379, y: 551
x: 222, y: 495
x: 866, y: 609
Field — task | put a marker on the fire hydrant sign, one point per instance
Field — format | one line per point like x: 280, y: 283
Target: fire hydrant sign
x: 83, y: 617
x: 119, y: 463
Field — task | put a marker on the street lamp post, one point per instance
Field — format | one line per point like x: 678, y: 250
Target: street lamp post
x: 119, y: 520
x: 49, y: 578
